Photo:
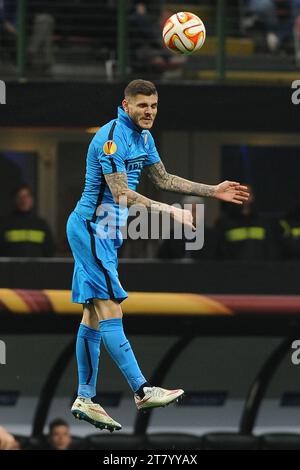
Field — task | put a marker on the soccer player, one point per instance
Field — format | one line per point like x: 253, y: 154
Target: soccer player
x: 117, y: 154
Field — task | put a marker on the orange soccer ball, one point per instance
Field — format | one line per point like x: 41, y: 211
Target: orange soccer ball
x: 184, y: 33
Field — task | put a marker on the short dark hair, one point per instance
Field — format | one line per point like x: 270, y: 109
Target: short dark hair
x: 140, y: 87
x: 57, y: 422
x: 21, y: 187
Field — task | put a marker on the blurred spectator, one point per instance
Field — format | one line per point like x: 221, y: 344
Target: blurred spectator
x: 23, y: 233
x: 290, y: 235
x: 274, y: 19
x: 59, y: 435
x: 8, y: 441
x: 59, y: 438
x: 243, y: 234
x: 40, y: 43
x: 284, y: 11
x: 145, y: 44
x: 8, y: 31
x: 40, y: 48
x: 176, y: 248
x: 265, y: 11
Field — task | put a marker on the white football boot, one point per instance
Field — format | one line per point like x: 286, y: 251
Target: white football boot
x: 156, y: 397
x: 84, y: 408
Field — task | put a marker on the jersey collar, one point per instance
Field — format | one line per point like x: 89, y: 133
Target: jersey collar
x: 125, y: 119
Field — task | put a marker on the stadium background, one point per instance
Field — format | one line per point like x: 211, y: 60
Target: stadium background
x: 225, y: 113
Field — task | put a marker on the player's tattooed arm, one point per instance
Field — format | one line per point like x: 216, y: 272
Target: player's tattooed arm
x: 229, y: 191
x: 163, y: 180
x: 118, y: 184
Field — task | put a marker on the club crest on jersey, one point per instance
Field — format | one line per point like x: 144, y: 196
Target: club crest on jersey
x: 110, y: 147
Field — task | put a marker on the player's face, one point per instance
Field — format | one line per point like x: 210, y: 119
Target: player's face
x: 142, y: 109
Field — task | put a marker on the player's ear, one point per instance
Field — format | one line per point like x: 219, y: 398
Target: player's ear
x: 125, y: 105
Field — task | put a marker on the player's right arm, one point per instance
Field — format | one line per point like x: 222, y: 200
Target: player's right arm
x: 123, y: 195
x: 229, y: 191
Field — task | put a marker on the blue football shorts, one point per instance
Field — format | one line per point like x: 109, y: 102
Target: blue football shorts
x: 96, y: 261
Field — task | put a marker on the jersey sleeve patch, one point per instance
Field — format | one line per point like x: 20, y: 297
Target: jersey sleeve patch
x: 110, y: 147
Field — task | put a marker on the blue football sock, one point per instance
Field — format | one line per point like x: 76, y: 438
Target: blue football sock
x: 119, y: 348
x: 87, y: 353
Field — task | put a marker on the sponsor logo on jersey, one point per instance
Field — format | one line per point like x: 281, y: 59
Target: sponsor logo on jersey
x: 135, y: 164
x: 110, y: 147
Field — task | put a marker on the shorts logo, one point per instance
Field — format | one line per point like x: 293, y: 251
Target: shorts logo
x: 110, y: 147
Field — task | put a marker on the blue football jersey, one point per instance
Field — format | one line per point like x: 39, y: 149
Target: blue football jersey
x: 118, y: 146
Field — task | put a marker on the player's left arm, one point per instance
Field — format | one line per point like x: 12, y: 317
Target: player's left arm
x: 229, y: 191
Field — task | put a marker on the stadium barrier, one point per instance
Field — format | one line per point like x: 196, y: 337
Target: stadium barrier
x: 24, y: 301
